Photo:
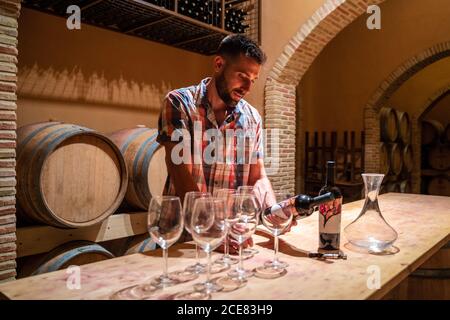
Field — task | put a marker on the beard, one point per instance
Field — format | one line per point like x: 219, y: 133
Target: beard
x: 223, y: 92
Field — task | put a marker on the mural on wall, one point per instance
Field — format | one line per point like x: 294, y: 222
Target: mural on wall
x: 74, y: 85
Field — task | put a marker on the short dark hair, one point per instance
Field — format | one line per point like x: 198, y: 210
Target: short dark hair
x: 236, y: 44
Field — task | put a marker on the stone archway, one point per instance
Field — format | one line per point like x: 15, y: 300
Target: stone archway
x: 297, y: 57
x: 384, y: 92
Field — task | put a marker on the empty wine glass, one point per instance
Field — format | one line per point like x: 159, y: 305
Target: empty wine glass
x: 243, y: 220
x: 188, y: 205
x: 226, y: 258
x: 165, y: 226
x: 249, y: 252
x: 209, y: 228
x: 276, y: 220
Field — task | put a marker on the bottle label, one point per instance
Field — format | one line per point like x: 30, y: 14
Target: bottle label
x: 330, y: 224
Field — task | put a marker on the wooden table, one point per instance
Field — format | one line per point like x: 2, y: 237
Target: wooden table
x: 422, y: 222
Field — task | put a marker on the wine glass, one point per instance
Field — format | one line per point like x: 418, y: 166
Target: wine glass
x: 276, y: 219
x: 249, y: 252
x: 165, y: 225
x: 243, y: 220
x: 188, y: 205
x: 209, y: 229
x: 226, y: 258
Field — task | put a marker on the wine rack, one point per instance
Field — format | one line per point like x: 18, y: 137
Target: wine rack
x: 194, y: 25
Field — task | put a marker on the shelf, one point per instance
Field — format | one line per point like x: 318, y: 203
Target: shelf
x: 39, y: 239
x: 142, y: 19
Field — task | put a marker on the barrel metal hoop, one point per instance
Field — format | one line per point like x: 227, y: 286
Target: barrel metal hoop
x: 93, y: 248
x: 37, y: 153
x: 143, y: 196
x: 131, y: 138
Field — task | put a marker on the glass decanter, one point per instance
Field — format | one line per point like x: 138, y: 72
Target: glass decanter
x: 370, y: 230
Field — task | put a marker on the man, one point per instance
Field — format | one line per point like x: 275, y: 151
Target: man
x: 216, y: 104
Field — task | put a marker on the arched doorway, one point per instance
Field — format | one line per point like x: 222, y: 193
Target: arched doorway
x: 298, y: 55
x: 384, y: 92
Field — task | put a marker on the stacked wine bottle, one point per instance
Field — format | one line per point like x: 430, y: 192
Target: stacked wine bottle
x: 210, y: 12
x: 235, y: 19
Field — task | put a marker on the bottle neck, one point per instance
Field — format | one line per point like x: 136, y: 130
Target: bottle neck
x: 306, y: 202
x: 330, y: 179
x: 322, y: 199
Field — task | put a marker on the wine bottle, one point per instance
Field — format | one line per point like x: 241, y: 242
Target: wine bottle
x: 301, y: 205
x: 330, y: 213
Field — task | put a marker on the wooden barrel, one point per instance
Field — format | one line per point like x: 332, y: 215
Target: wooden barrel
x: 408, y: 161
x: 404, y: 127
x: 405, y: 186
x: 432, y: 132
x: 432, y: 279
x: 74, y: 253
x: 68, y: 176
x: 134, y: 244
x: 145, y: 160
x: 395, y: 158
x: 385, y: 165
x: 439, y: 157
x: 388, y: 125
x: 139, y: 244
x: 439, y: 186
x: 447, y: 134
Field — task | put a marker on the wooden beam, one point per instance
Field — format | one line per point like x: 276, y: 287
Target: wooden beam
x: 39, y: 239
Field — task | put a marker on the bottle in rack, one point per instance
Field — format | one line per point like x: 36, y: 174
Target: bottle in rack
x: 330, y: 213
x: 301, y: 205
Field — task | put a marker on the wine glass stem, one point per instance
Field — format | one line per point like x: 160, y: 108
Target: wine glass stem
x: 208, y: 275
x: 197, y: 255
x: 165, y: 256
x: 275, y: 257
x: 241, y: 261
x: 227, y: 248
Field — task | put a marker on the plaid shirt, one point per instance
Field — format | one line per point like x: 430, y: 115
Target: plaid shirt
x: 189, y: 109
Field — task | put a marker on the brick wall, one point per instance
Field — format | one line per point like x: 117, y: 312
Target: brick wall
x: 9, y: 12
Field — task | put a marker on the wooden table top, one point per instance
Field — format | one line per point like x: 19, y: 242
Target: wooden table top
x: 422, y: 223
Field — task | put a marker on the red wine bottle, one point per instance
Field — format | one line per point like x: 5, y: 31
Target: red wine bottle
x: 301, y: 205
x: 330, y: 213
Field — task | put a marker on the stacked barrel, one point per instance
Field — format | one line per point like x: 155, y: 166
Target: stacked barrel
x: 70, y: 176
x: 396, y: 154
x: 435, y: 158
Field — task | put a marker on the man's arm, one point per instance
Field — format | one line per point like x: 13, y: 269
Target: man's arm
x: 179, y: 173
x: 258, y: 178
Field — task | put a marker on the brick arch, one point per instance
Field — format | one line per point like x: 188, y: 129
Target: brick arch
x: 298, y: 55
x: 384, y: 92
x: 444, y: 91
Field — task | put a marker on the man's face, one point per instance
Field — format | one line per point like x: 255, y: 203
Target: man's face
x: 234, y: 77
